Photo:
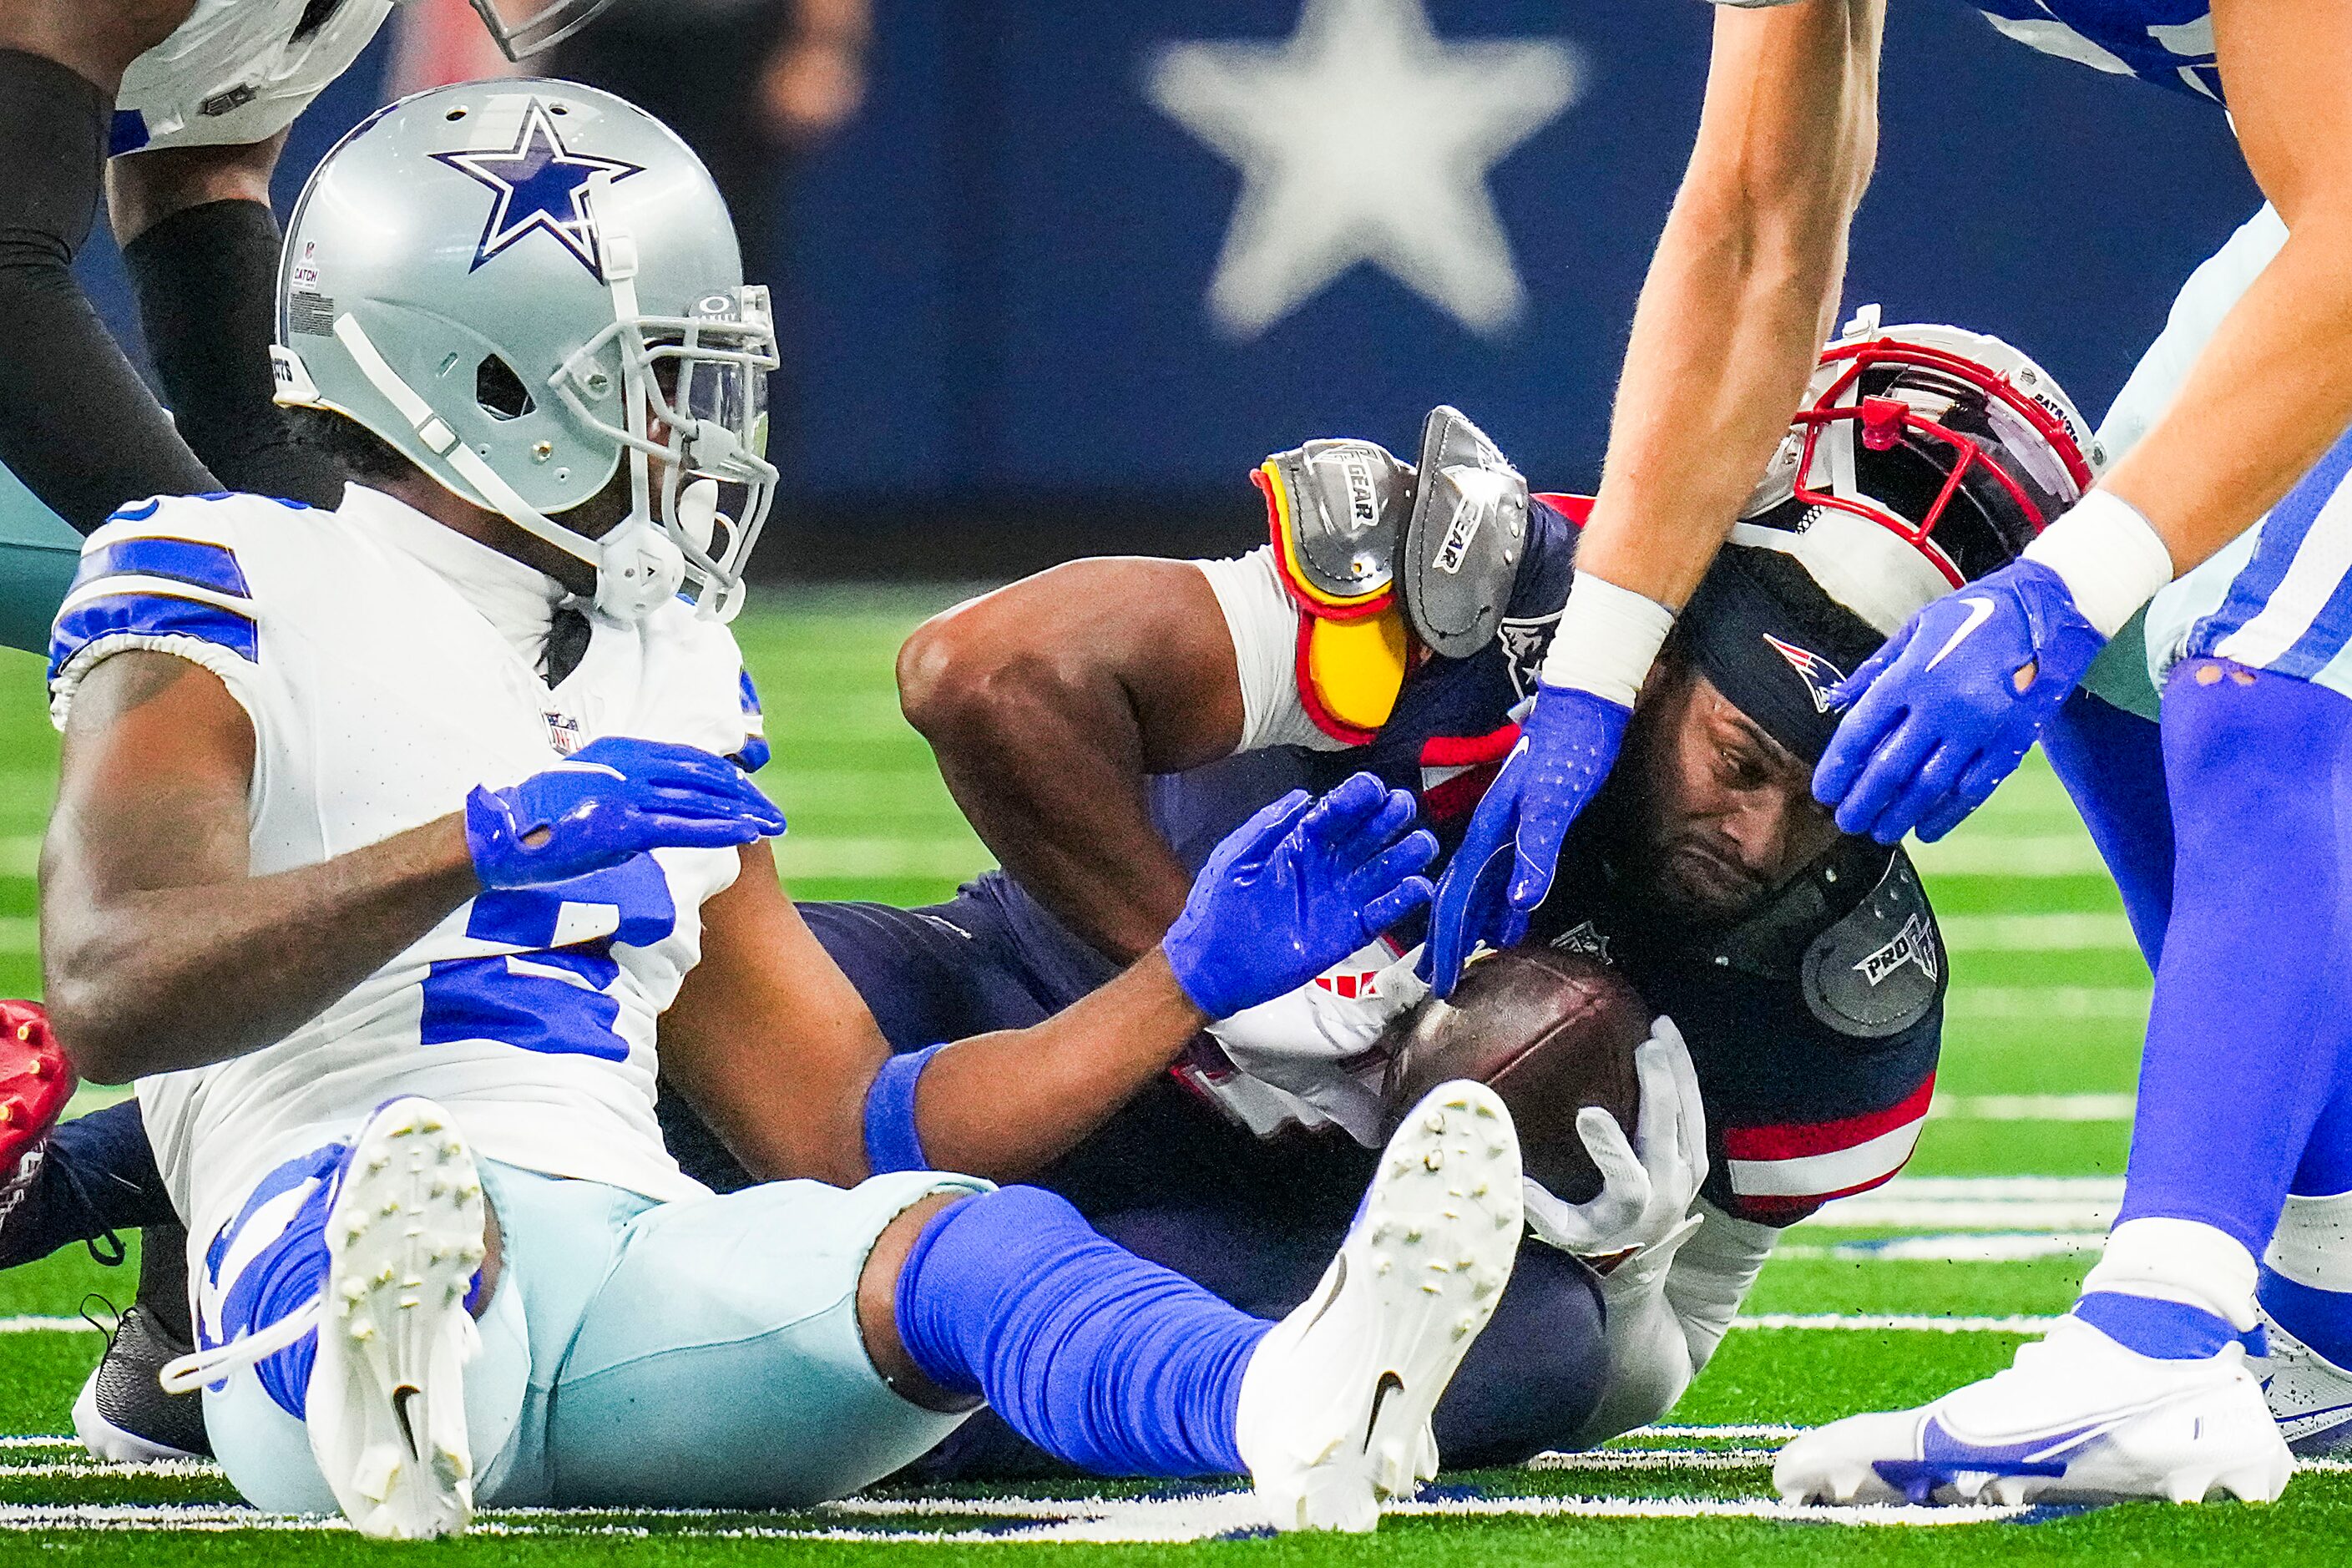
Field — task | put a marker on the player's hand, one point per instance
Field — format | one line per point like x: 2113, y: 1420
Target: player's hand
x: 1505, y: 865
x: 607, y: 804
x: 1295, y: 890
x: 1949, y: 707
x: 1316, y: 1041
x: 1647, y: 1186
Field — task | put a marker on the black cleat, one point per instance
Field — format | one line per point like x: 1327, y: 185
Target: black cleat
x: 123, y: 1414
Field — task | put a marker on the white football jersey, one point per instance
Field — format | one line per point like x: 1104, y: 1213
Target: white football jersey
x: 381, y: 692
x: 240, y: 70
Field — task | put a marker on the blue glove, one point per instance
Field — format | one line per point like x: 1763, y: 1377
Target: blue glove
x: 1505, y: 865
x: 609, y: 802
x: 1949, y: 707
x: 1297, y: 888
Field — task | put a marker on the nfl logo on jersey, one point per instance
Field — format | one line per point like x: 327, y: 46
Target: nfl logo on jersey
x: 564, y: 733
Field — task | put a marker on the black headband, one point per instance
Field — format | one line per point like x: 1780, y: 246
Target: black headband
x: 1774, y: 644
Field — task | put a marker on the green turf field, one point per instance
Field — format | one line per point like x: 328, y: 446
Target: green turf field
x: 1891, y: 1298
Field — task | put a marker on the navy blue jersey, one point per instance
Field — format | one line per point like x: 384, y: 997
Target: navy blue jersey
x: 1814, y: 1087
x: 2167, y: 42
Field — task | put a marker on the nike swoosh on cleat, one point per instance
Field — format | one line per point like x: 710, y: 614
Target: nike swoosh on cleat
x: 1389, y: 1384
x: 1979, y: 612
x: 1338, y: 1283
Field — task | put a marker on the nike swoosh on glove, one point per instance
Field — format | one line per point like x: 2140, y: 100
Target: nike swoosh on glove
x: 1949, y: 707
x: 1297, y: 888
x: 607, y: 804
x: 1504, y: 867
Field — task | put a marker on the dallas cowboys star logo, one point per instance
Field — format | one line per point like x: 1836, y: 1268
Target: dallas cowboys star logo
x: 542, y: 187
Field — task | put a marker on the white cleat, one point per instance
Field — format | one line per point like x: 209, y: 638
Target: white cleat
x: 387, y: 1394
x: 1335, y: 1405
x: 2310, y: 1396
x: 2078, y: 1418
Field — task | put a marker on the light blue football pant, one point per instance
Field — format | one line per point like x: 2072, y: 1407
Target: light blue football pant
x: 700, y: 1353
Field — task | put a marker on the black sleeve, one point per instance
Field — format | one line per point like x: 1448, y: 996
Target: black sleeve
x: 77, y: 424
x: 207, y: 280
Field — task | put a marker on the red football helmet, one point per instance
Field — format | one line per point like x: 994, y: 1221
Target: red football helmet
x: 1924, y: 457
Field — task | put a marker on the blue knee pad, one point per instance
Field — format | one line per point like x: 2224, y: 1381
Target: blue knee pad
x: 1116, y: 1365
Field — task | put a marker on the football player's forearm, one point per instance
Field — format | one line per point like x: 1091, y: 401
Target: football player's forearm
x: 1742, y: 292
x: 1049, y: 703
x: 2268, y: 396
x: 1006, y: 1105
x: 158, y: 981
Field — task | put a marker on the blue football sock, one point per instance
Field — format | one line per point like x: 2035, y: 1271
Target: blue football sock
x: 2112, y: 763
x: 2172, y: 1330
x: 1114, y: 1364
x: 97, y: 1176
x: 2250, y: 1018
x: 2307, y: 1278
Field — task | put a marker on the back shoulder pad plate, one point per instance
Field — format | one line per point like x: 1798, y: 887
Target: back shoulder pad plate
x: 1880, y: 969
x: 1335, y: 510
x: 1466, y: 538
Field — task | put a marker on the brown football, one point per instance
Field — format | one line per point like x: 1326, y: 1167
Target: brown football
x: 1550, y: 1032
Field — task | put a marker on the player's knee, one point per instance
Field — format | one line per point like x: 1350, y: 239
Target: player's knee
x: 1535, y: 1375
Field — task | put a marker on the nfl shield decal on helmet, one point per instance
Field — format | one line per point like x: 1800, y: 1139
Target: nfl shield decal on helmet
x: 542, y: 186
x: 1819, y: 676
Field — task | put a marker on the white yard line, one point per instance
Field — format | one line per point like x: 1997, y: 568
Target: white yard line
x: 2009, y: 854
x: 2047, y: 1004
x: 1892, y: 1322
x: 2034, y: 1107
x: 1980, y: 1203
x: 1961, y: 1246
x: 2037, y: 933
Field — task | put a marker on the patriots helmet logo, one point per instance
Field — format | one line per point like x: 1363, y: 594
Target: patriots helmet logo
x: 1819, y: 676
x: 541, y: 188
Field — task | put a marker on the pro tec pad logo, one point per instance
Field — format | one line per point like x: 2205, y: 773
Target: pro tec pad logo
x: 542, y: 187
x: 1819, y: 676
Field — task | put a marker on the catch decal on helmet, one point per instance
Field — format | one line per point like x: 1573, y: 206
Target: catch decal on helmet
x: 542, y: 187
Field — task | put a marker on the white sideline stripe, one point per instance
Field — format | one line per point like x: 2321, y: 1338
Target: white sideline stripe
x: 37, y: 1325
x: 2009, y: 854
x: 1980, y: 1202
x: 1893, y: 1323
x: 2047, y: 1003
x: 1141, y: 1519
x: 2032, y: 1107
x: 1981, y: 1247
x: 2038, y: 933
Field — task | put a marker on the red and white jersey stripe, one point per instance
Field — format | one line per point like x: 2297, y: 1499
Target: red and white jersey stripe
x: 1794, y: 1168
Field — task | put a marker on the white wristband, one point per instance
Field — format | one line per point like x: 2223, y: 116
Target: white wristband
x: 1607, y: 640
x: 2109, y: 555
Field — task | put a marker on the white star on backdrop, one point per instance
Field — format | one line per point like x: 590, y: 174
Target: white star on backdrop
x: 1364, y: 137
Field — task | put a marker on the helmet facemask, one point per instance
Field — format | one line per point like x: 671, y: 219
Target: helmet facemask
x: 694, y: 399
x: 1923, y: 458
x: 523, y: 28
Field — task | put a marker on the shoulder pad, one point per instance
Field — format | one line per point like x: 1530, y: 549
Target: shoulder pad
x: 1880, y: 969
x: 1463, y: 540
x: 1335, y: 510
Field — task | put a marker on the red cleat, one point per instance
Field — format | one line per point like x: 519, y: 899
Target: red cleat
x: 36, y: 1081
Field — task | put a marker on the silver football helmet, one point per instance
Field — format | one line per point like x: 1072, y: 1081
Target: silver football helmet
x: 522, y: 285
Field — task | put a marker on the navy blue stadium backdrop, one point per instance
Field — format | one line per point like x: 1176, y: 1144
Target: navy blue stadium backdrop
x: 1079, y: 266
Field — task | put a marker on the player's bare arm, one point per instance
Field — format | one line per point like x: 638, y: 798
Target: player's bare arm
x: 160, y: 950
x: 144, y: 189
x: 1048, y: 702
x: 771, y: 1043
x: 96, y: 39
x: 2273, y: 388
x: 1741, y: 293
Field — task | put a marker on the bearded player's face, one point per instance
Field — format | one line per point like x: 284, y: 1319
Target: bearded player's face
x: 1714, y: 816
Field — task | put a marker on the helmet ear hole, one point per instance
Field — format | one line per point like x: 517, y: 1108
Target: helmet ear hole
x: 499, y: 391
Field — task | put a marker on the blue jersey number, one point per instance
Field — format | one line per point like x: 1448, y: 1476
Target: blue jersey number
x: 545, y: 997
